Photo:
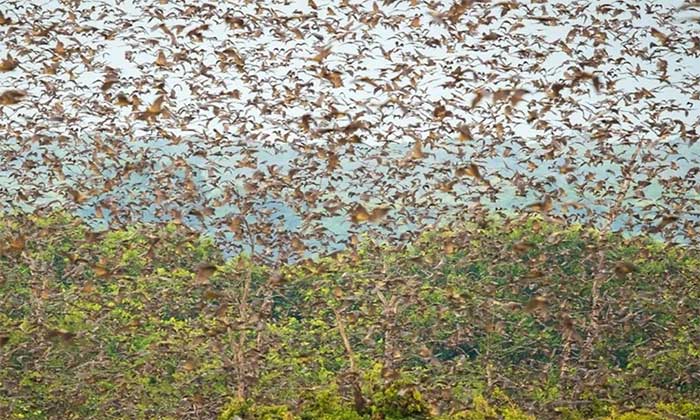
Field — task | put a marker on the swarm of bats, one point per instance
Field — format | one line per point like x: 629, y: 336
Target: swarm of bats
x: 383, y: 117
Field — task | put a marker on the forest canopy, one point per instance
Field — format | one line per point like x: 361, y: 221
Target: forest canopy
x: 513, y: 319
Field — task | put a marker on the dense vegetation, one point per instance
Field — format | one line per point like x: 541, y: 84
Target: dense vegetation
x: 509, y: 319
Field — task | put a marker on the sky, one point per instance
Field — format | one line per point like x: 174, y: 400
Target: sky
x: 240, y: 87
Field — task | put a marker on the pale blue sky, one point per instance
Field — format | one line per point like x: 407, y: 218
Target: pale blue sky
x: 273, y: 66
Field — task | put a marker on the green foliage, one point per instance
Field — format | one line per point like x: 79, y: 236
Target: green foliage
x: 661, y: 411
x: 492, y: 321
x: 239, y: 408
x: 483, y: 410
x: 327, y: 404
